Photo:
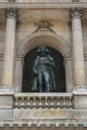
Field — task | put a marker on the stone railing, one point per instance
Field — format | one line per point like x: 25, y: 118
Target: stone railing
x: 43, y: 100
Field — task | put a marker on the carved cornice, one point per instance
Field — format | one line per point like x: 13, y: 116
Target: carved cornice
x: 12, y: 12
x: 76, y: 13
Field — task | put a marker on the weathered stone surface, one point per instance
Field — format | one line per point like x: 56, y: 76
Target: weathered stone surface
x: 42, y: 114
x: 80, y: 98
x: 56, y: 12
x: 6, y: 114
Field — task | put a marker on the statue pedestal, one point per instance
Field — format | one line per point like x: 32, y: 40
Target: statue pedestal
x: 80, y: 98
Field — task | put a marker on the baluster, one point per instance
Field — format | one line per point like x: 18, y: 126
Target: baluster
x: 46, y: 102
x: 34, y: 102
x: 25, y: 102
x: 31, y: 102
x: 64, y: 102
x: 58, y: 102
x: 28, y: 102
x: 55, y: 102
x: 52, y: 102
x: 70, y: 102
x: 40, y: 102
x: 61, y: 102
x: 19, y: 102
x: 22, y: 102
x: 43, y: 102
x: 16, y: 102
x: 49, y: 102
x: 67, y: 102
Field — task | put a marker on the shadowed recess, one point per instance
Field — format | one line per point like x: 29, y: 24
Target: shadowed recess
x: 59, y: 70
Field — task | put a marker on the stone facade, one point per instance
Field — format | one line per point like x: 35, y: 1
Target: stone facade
x: 25, y: 25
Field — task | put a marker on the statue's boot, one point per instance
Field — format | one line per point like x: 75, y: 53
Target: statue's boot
x: 40, y: 89
x: 48, y: 88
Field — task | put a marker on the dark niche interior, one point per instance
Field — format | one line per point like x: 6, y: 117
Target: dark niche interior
x: 59, y: 70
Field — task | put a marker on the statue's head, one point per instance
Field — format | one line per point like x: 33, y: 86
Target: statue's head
x: 43, y: 49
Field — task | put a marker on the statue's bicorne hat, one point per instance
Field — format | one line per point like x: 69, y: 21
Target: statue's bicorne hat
x: 43, y: 48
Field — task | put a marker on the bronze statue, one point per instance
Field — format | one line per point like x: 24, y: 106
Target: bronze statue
x: 44, y: 80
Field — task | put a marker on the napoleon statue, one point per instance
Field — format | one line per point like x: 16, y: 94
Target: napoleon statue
x: 44, y: 80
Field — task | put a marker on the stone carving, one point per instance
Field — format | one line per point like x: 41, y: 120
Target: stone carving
x: 44, y: 26
x: 12, y: 12
x: 76, y: 12
x: 44, y: 100
x: 44, y: 80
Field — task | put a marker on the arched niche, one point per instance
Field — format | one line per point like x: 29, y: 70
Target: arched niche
x: 59, y: 70
x: 47, y: 38
x: 41, y: 38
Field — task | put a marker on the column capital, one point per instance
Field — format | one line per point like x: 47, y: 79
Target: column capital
x: 12, y: 12
x: 76, y: 13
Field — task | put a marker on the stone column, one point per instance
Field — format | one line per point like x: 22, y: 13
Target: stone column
x: 78, y: 52
x: 9, y: 49
x: 80, y: 91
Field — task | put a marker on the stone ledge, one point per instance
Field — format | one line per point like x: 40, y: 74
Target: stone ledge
x: 6, y: 90
x: 80, y: 90
x: 55, y: 5
x: 46, y: 123
x: 43, y: 94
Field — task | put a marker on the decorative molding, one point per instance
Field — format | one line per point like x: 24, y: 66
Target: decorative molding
x: 41, y: 100
x: 19, y: 57
x: 48, y: 4
x: 76, y: 13
x: 67, y: 57
x: 47, y: 123
x: 11, y: 12
x: 43, y: 25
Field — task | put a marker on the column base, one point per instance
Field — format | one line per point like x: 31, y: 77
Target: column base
x: 80, y: 89
x: 6, y: 97
x: 7, y: 89
x: 80, y: 97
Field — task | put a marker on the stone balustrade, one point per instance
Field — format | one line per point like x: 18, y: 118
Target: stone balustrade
x: 43, y: 100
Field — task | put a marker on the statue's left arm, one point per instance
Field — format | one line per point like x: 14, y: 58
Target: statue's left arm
x: 51, y: 61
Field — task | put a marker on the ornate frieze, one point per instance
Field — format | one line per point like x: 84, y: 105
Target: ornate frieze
x: 44, y: 25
